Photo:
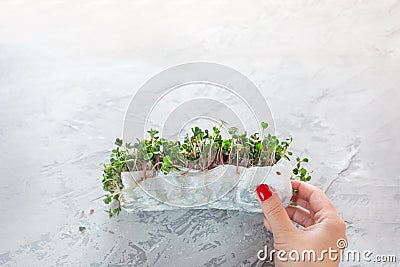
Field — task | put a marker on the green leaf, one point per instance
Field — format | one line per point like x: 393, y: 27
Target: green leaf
x: 152, y: 132
x: 167, y: 161
x: 82, y: 228
x: 108, y: 199
x: 118, y: 142
x: 233, y: 130
x: 264, y: 125
x: 117, y: 210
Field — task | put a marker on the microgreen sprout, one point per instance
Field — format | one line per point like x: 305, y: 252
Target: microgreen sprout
x: 201, y: 150
x: 300, y: 172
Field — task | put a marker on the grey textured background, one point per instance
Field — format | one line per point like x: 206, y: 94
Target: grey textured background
x: 331, y: 72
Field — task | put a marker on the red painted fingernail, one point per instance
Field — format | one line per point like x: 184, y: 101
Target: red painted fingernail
x: 263, y: 192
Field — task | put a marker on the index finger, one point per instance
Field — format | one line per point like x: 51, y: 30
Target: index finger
x: 316, y: 199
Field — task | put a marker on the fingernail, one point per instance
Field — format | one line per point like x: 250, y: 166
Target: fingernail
x: 263, y: 192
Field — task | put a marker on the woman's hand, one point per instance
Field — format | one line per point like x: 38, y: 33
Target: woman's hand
x: 324, y: 230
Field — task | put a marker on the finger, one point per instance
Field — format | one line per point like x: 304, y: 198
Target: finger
x: 315, y: 198
x: 302, y: 203
x: 267, y: 225
x: 300, y: 216
x: 305, y: 205
x: 274, y: 212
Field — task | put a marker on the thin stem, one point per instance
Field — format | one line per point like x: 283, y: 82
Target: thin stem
x: 154, y: 167
x: 237, y: 161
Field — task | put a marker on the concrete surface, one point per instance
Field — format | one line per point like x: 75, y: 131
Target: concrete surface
x: 331, y: 73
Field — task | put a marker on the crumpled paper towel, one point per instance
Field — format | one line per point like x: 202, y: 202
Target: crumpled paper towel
x: 224, y: 187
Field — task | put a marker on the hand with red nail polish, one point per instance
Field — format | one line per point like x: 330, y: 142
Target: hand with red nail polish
x: 322, y: 227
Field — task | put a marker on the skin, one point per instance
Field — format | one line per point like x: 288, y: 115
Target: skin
x: 322, y: 226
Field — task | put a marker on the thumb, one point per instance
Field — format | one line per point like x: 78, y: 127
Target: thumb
x: 274, y: 212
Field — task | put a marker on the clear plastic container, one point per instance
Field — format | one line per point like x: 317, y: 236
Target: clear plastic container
x: 224, y: 187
